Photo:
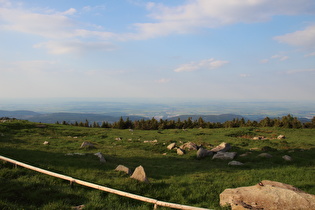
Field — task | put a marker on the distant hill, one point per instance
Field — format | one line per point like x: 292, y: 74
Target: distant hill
x: 64, y: 116
x: 19, y: 114
x: 209, y: 118
x: 113, y: 117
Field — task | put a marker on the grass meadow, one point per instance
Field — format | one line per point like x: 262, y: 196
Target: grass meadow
x: 173, y: 178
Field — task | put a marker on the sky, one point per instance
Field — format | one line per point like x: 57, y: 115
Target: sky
x: 208, y: 49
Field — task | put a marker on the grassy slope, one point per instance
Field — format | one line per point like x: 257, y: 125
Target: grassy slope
x: 178, y: 179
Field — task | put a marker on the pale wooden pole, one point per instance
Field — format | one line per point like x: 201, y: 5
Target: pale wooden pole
x: 106, y: 189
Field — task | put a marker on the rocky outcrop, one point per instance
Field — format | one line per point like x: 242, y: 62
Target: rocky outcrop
x: 223, y: 147
x: 287, y: 158
x: 224, y: 155
x: 123, y: 169
x: 171, y: 146
x: 139, y: 174
x: 201, y: 153
x: 281, y: 137
x: 235, y: 163
x: 265, y: 155
x: 180, y: 151
x: 189, y: 146
x: 87, y: 145
x: 267, y: 195
x: 101, y: 157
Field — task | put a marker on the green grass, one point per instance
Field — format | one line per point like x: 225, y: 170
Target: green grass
x: 173, y: 178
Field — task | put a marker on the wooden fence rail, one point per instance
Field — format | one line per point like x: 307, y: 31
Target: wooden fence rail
x: 106, y: 189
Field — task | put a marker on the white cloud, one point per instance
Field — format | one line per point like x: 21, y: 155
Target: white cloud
x: 55, y: 25
x: 28, y: 66
x: 214, y: 13
x: 296, y: 71
x: 310, y: 54
x: 208, y: 64
x: 244, y: 75
x: 93, y: 9
x: 70, y: 11
x: 304, y: 38
x: 163, y: 80
x: 280, y: 57
x: 264, y: 61
x: 56, y: 47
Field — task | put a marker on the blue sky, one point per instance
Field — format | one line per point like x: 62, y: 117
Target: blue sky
x: 210, y: 49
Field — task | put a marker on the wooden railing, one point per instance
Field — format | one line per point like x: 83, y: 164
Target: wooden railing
x: 99, y: 187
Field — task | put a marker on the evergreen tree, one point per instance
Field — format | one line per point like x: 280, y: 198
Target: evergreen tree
x: 86, y: 124
x: 201, y: 123
x: 95, y: 125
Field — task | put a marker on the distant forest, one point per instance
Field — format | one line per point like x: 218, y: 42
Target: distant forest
x: 285, y: 122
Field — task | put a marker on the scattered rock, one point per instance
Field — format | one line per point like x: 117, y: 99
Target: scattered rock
x: 224, y: 155
x: 139, y: 174
x: 189, y: 146
x: 71, y: 154
x: 267, y: 195
x: 245, y: 154
x: 265, y: 155
x: 118, y: 139
x: 223, y: 147
x: 46, y: 143
x: 123, y: 169
x: 201, y: 153
x: 78, y: 207
x: 287, y: 158
x: 154, y: 141
x: 180, y: 151
x: 87, y: 145
x: 101, y: 157
x: 281, y: 137
x: 259, y: 138
x: 171, y: 146
x: 235, y: 163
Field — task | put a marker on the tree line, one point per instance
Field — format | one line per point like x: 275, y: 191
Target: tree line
x: 153, y: 124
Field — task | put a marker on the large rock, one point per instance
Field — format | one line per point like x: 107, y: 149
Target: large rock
x: 123, y: 169
x: 267, y: 195
x: 180, y: 151
x: 235, y: 163
x: 287, y: 158
x: 171, y: 146
x: 223, y: 147
x: 139, y: 174
x: 201, y: 153
x: 265, y: 155
x: 224, y: 155
x: 101, y: 157
x: 87, y: 145
x: 189, y: 146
